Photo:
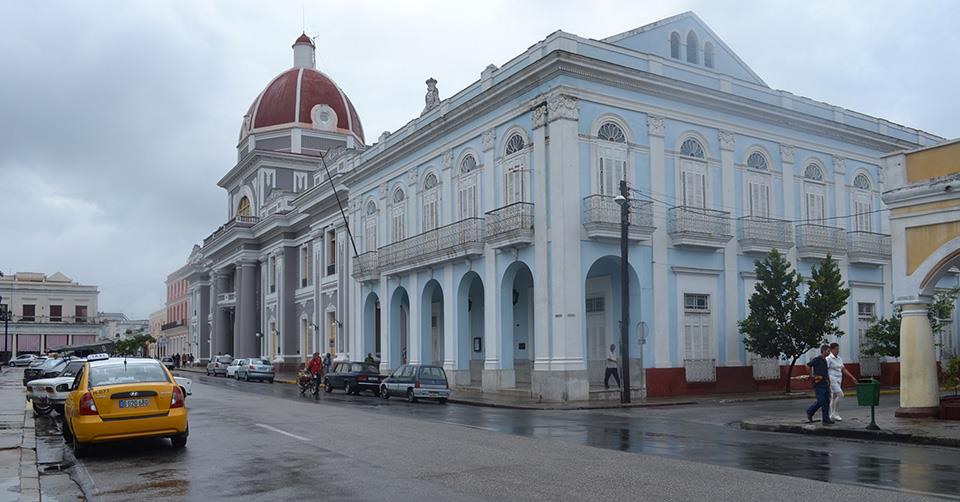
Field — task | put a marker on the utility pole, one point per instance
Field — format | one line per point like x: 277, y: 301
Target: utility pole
x: 624, y: 200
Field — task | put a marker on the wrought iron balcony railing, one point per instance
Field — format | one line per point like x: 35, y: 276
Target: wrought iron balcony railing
x: 816, y: 241
x: 227, y: 298
x: 510, y: 225
x: 237, y: 221
x: 170, y: 325
x: 601, y: 217
x: 366, y: 267
x: 869, y: 247
x: 760, y: 235
x: 697, y: 226
x: 455, y: 240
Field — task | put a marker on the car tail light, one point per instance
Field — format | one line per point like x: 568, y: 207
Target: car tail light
x: 87, y: 406
x: 417, y: 384
x: 177, y: 400
x: 362, y: 377
x: 252, y: 367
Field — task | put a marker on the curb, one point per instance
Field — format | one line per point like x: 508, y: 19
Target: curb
x: 881, y: 435
x: 29, y: 474
x: 561, y: 407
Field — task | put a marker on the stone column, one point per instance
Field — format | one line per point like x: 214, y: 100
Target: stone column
x: 789, y: 194
x: 222, y: 341
x: 386, y: 337
x: 660, y: 333
x: 247, y: 318
x: 731, y: 333
x: 843, y: 263
x: 494, y: 376
x: 542, y: 348
x: 415, y: 323
x: 203, y: 327
x: 919, y: 390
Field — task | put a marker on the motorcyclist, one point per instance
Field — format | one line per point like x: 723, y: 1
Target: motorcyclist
x: 315, y: 366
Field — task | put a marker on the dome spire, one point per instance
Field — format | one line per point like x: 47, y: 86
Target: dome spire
x: 304, y: 52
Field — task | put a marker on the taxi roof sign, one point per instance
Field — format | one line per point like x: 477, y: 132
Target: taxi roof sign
x: 98, y: 357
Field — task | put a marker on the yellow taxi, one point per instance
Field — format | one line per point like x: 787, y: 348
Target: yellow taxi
x: 116, y: 398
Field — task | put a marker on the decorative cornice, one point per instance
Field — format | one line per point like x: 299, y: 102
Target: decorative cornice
x: 786, y: 153
x: 489, y: 139
x: 655, y: 125
x: 728, y: 140
x: 562, y: 107
x: 539, y: 116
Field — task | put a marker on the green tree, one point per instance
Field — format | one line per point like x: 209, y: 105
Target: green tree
x: 133, y: 346
x: 782, y: 326
x: 883, y: 338
x: 773, y: 308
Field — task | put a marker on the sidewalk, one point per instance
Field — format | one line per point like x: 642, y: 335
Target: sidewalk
x: 855, y: 421
x: 18, y: 444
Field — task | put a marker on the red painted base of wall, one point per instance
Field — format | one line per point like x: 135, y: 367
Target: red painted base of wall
x: 665, y: 382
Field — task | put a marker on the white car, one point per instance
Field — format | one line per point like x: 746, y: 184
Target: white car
x: 234, y: 366
x: 23, y: 360
x: 48, y: 394
x: 184, y: 384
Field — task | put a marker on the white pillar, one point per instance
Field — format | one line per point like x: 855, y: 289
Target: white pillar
x: 841, y: 198
x: 789, y: 194
x: 731, y: 276
x: 386, y: 337
x: 542, y: 343
x: 661, y: 300
x: 415, y: 323
x: 451, y: 340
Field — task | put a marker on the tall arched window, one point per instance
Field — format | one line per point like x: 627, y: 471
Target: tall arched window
x: 398, y: 216
x: 515, y: 170
x: 243, y: 208
x: 612, y: 161
x: 467, y: 187
x: 431, y: 203
x: 370, y: 227
x: 863, y: 203
x: 693, y: 47
x: 675, y: 45
x: 693, y: 174
x: 708, y: 54
x: 814, y: 194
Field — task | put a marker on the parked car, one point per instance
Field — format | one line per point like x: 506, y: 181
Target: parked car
x: 44, y: 369
x: 118, y: 398
x: 22, y: 360
x: 185, y: 384
x: 255, y: 369
x: 232, y: 367
x: 48, y: 394
x: 218, y: 365
x: 416, y: 381
x: 353, y: 378
x: 168, y: 363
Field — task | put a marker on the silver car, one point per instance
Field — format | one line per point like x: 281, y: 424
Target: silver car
x: 415, y: 381
x: 255, y: 369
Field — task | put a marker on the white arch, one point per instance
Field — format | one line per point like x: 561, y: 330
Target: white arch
x: 245, y: 191
x: 616, y: 119
x: 502, y: 146
x: 423, y: 179
x: 690, y: 133
x: 862, y: 171
x: 757, y: 148
x: 463, y: 154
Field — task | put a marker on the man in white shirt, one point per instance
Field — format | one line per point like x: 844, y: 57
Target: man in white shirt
x: 836, y: 370
x: 611, y: 367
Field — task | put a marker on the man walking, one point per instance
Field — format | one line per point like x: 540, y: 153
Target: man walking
x: 821, y: 385
x: 611, y: 367
x: 836, y: 370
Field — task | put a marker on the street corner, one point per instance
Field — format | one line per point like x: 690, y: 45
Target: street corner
x: 921, y: 432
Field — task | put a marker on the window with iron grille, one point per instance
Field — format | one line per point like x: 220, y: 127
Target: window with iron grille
x: 595, y: 304
x: 700, y: 303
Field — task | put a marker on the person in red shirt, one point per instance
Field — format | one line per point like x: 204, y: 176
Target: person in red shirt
x: 315, y: 366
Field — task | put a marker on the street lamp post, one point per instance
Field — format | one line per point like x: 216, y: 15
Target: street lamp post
x: 6, y: 329
x: 624, y: 200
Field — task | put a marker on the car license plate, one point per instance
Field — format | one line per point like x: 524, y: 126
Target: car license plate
x: 134, y: 403
x: 374, y: 379
x: 433, y: 393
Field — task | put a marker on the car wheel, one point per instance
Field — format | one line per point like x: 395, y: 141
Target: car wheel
x: 208, y: 372
x: 347, y: 388
x: 442, y: 400
x: 410, y: 397
x: 327, y: 387
x: 59, y: 407
x: 41, y: 410
x: 67, y: 435
x: 384, y: 393
x: 179, y: 441
x: 80, y: 450
x: 271, y: 380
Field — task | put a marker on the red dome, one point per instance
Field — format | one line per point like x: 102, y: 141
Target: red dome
x: 280, y: 104
x: 304, y: 39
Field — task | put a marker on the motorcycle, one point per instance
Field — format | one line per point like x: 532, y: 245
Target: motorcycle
x: 309, y: 382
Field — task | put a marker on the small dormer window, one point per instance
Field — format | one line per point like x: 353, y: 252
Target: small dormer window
x: 708, y: 54
x: 675, y: 45
x: 693, y: 48
x: 243, y: 208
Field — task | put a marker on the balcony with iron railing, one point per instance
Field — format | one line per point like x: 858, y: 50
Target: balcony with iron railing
x: 601, y: 218
x: 759, y: 235
x: 869, y: 248
x: 449, y: 242
x: 814, y: 241
x: 227, y: 299
x: 510, y: 225
x: 37, y: 319
x: 236, y: 222
x: 172, y: 324
x: 698, y: 227
x: 366, y: 267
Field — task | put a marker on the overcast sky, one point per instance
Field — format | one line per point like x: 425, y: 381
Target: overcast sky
x: 118, y: 118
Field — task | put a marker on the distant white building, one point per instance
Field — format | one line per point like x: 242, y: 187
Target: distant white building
x: 47, y: 312
x: 115, y: 325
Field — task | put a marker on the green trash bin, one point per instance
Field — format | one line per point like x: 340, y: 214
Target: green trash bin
x: 868, y: 392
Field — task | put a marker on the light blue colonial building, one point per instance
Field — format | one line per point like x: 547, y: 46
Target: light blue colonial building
x: 485, y: 236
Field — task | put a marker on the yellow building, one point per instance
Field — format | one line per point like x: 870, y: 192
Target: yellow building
x: 923, y: 194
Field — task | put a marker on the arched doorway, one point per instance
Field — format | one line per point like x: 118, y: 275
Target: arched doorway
x: 470, y: 353
x: 516, y: 322
x: 431, y: 324
x: 371, y: 326
x: 399, y: 327
x: 602, y: 314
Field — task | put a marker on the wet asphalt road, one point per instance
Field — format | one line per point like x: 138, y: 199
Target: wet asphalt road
x: 264, y: 441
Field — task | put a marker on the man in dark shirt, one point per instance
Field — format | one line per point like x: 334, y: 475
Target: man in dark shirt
x: 821, y: 385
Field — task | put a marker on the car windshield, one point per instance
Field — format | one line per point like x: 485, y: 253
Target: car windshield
x: 260, y: 361
x: 38, y: 362
x: 72, y: 369
x: 130, y: 371
x: 432, y: 373
x: 224, y: 359
x: 50, y: 364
